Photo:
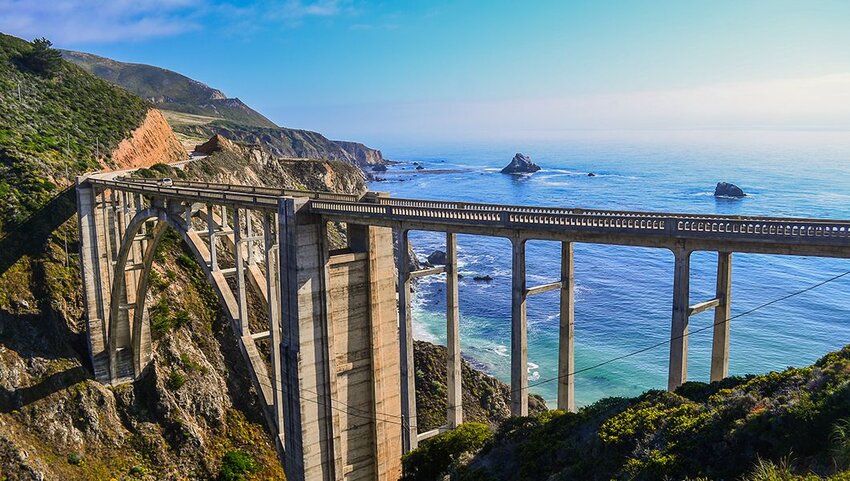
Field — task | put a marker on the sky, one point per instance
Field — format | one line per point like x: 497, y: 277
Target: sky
x: 462, y: 70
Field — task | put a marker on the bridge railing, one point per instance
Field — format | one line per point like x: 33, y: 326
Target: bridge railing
x: 674, y: 225
x: 312, y: 194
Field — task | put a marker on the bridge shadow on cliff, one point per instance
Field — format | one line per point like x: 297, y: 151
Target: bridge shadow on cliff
x: 29, y: 236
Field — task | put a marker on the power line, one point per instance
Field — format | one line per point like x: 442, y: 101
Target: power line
x: 374, y: 417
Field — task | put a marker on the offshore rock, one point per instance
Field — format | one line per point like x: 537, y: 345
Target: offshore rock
x: 521, y: 164
x: 437, y: 258
x: 725, y: 189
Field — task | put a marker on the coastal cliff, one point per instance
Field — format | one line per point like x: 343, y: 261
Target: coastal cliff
x: 150, y: 143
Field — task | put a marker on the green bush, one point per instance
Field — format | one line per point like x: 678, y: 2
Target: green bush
x: 176, y: 380
x: 75, y: 459
x: 436, y: 456
x: 235, y: 465
x: 186, y: 262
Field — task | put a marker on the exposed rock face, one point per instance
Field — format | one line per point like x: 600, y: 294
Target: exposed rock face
x: 290, y: 143
x: 361, y: 154
x: 521, y: 164
x: 485, y: 398
x: 437, y: 258
x: 725, y: 189
x: 231, y: 162
x: 151, y: 143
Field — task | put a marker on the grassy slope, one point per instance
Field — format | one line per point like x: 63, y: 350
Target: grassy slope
x: 178, y: 92
x: 53, y: 127
x: 791, y: 423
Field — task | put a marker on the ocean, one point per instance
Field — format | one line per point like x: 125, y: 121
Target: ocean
x: 623, y: 294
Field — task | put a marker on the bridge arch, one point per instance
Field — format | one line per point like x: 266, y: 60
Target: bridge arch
x: 133, y: 333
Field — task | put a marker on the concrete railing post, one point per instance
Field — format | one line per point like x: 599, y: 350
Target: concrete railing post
x: 566, y: 333
x: 405, y: 330
x: 519, y: 332
x: 678, y: 371
x: 722, y: 316
x: 453, y: 376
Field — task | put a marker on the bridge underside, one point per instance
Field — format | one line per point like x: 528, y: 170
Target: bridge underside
x: 338, y: 389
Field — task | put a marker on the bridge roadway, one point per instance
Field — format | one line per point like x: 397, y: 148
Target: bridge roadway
x: 694, y: 232
x: 296, y: 221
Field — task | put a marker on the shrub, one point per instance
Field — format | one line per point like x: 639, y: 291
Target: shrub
x: 186, y: 262
x: 137, y: 471
x: 75, y: 459
x: 235, y: 465
x: 176, y: 380
x: 436, y: 456
x: 841, y: 442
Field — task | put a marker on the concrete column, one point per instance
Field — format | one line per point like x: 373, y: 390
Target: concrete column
x: 409, y: 429
x: 453, y: 376
x: 722, y: 316
x: 250, y: 235
x: 566, y: 336
x: 90, y: 257
x: 224, y: 217
x: 273, y: 306
x: 212, y: 235
x: 519, y: 332
x: 384, y: 354
x: 308, y: 403
x: 241, y: 295
x: 678, y: 372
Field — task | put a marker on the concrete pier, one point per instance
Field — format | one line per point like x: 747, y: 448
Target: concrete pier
x: 722, y: 318
x: 566, y: 331
x: 519, y: 331
x: 678, y: 372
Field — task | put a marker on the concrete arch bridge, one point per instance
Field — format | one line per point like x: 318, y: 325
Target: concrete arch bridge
x: 338, y: 386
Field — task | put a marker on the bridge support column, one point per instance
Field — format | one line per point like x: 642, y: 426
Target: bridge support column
x: 678, y: 371
x: 241, y: 293
x: 273, y: 305
x: 566, y: 339
x: 722, y: 316
x: 519, y: 332
x: 409, y: 430
x: 339, y: 351
x: 453, y: 375
x: 91, y: 255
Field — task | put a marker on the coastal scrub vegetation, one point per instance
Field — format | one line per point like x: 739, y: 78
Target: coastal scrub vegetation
x: 55, y: 119
x: 793, y: 424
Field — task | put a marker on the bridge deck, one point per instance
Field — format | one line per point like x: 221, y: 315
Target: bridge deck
x: 758, y: 234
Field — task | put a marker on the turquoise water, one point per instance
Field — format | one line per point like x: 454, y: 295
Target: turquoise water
x: 623, y: 294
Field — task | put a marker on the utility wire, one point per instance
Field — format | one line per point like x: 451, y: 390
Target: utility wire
x: 373, y: 416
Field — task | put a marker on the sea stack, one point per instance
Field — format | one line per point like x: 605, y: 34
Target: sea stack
x: 725, y: 189
x: 521, y: 164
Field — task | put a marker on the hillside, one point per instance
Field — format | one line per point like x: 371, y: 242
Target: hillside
x: 53, y: 127
x: 169, y: 90
x: 785, y: 425
x: 197, y: 112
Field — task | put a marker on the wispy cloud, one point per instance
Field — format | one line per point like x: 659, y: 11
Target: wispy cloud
x: 70, y: 22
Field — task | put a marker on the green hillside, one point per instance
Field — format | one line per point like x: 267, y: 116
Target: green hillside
x: 169, y: 90
x: 785, y: 425
x: 51, y: 127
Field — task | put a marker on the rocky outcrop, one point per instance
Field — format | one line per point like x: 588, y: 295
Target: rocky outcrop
x: 362, y: 155
x: 725, y: 189
x: 521, y: 164
x: 236, y: 163
x: 151, y: 143
x: 289, y: 143
x: 437, y: 258
x: 485, y: 398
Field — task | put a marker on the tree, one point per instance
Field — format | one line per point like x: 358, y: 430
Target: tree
x: 42, y: 58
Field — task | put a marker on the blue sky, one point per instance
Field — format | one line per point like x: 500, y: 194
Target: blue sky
x: 478, y: 70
